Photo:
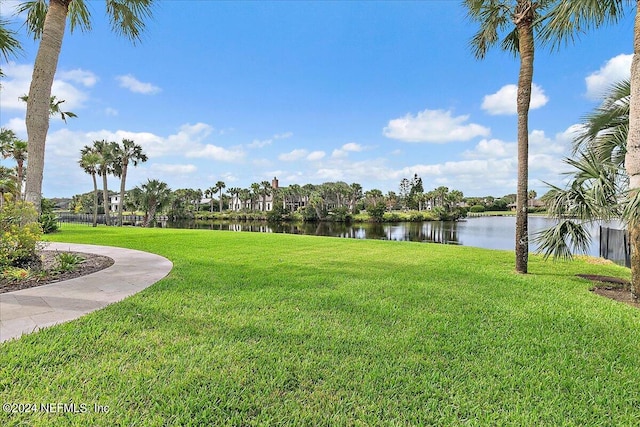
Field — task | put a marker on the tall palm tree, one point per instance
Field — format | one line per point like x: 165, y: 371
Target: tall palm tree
x: 47, y: 21
x: 233, y: 191
x: 89, y: 162
x: 255, y: 193
x: 124, y: 153
x: 517, y: 18
x: 265, y: 190
x: 106, y: 166
x: 209, y: 192
x: 552, y: 22
x: 220, y: 185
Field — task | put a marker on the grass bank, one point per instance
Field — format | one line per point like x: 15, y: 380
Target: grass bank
x: 266, y: 329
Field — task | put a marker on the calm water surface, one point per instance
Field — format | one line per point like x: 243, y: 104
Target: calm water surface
x: 484, y: 232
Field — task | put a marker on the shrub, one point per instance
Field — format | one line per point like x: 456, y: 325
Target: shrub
x: 476, y: 209
x: 20, y: 231
x: 68, y: 261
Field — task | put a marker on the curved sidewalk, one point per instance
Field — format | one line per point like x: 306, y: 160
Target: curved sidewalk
x: 27, y: 310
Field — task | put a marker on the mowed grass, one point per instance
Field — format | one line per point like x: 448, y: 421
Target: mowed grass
x: 272, y: 329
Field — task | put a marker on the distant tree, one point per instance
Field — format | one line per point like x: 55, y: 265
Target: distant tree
x: 124, y: 153
x: 90, y: 162
x: 209, y: 193
x: 265, y: 190
x: 7, y: 183
x: 220, y: 185
x: 106, y: 150
x: 405, y: 187
x: 152, y: 197
x: 15, y: 148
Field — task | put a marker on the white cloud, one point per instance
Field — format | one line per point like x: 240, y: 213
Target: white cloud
x: 292, y: 156
x: 14, y: 85
x: 18, y: 79
x: 316, y: 155
x: 614, y: 70
x: 215, y: 152
x: 134, y: 85
x: 83, y: 77
x: 437, y: 126
x: 352, y: 146
x: 504, y: 101
x: 257, y: 143
x: 110, y: 111
x: 491, y: 148
x: 173, y: 169
x: 284, y: 135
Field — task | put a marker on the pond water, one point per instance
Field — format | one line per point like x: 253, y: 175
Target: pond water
x: 484, y: 232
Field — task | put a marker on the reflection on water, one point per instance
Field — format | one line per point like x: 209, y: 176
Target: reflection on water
x: 484, y: 232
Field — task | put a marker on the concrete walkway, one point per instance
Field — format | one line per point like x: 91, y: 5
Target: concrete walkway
x: 27, y: 310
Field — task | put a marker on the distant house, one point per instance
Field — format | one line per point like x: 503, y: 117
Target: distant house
x: 257, y: 203
x: 532, y: 203
x: 114, y: 202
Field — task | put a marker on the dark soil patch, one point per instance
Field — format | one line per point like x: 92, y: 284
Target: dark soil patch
x: 613, y: 288
x: 91, y: 264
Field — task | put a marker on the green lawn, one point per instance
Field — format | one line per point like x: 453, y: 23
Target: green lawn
x: 272, y: 329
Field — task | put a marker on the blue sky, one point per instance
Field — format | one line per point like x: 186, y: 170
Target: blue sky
x: 310, y: 92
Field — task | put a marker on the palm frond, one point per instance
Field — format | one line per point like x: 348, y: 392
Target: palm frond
x: 36, y: 13
x: 79, y: 16
x: 494, y: 16
x: 563, y: 240
x: 128, y: 16
x: 9, y: 44
x: 568, y: 19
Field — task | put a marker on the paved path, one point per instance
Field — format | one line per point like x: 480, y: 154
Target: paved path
x: 27, y: 310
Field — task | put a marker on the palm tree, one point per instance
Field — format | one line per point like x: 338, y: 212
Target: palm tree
x: 265, y: 190
x: 154, y: 195
x: 556, y: 21
x: 244, y: 195
x: 11, y: 146
x: 517, y: 17
x: 127, y: 152
x: 90, y: 162
x: 233, y: 191
x: 48, y: 22
x: 600, y: 182
x: 7, y: 183
x: 255, y: 193
x: 105, y: 167
x: 209, y: 192
x: 220, y: 186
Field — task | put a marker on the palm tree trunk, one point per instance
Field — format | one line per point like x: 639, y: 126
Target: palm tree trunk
x: 632, y: 157
x: 37, y: 118
x: 95, y: 200
x: 123, y: 180
x: 105, y: 199
x: 524, y: 23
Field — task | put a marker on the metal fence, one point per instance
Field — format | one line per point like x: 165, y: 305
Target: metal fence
x: 615, y: 245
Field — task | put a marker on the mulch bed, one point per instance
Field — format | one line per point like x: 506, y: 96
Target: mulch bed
x: 613, y: 288
x: 91, y: 264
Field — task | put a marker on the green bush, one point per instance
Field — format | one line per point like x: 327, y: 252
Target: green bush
x: 476, y: 209
x: 20, y: 231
